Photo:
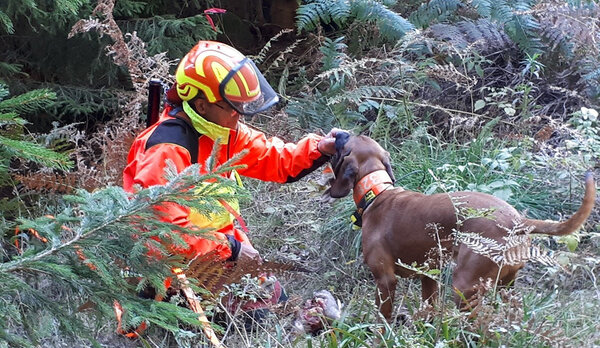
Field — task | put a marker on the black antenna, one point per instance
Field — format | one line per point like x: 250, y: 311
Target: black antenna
x: 154, y: 91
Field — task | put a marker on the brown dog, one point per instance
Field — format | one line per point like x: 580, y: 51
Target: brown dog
x: 398, y: 224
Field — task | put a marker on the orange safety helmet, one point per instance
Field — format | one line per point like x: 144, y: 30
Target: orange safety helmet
x: 222, y: 73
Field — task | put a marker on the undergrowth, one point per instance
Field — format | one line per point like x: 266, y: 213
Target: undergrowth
x: 485, y: 96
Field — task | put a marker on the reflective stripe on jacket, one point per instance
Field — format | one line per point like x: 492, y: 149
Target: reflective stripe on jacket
x: 268, y: 159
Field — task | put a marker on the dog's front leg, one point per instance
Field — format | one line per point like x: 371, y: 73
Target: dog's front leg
x: 429, y: 290
x: 386, y: 287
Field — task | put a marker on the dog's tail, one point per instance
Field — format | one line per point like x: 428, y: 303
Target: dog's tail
x: 571, y: 225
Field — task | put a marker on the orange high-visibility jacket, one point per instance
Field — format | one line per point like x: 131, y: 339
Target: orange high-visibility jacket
x: 267, y: 159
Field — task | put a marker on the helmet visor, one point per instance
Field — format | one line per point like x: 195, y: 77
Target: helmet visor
x: 246, y: 90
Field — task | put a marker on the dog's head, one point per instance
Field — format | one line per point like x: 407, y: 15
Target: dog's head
x: 355, y: 157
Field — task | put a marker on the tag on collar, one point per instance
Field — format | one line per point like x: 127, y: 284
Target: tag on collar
x: 356, y: 219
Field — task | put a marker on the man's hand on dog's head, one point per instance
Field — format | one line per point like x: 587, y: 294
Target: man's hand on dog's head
x: 327, y: 144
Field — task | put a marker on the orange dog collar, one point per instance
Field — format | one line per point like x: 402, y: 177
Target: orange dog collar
x: 377, y: 182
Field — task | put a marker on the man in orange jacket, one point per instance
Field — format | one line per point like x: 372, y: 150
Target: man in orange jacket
x: 215, y: 85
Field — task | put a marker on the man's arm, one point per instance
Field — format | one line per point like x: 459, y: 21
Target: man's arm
x: 271, y: 159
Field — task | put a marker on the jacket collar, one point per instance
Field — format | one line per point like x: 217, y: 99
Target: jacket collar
x: 205, y: 127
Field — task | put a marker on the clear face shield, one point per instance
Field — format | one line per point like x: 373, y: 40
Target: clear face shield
x: 246, y: 90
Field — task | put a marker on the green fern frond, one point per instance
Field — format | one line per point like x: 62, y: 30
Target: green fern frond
x: 516, y: 19
x: 557, y: 39
x: 391, y: 25
x: 591, y: 77
x: 483, y: 7
x: 309, y: 16
x: 573, y: 29
x: 501, y: 12
x: 434, y: 11
x: 333, y: 54
x: 522, y: 29
x: 4, y: 92
x: 312, y: 112
x: 482, y: 34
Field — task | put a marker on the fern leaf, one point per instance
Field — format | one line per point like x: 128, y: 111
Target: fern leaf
x: 483, y: 7
x: 501, y: 12
x: 483, y: 35
x: 591, y: 77
x: 312, y: 112
x: 333, y: 54
x: 357, y: 95
x: 309, y: 16
x: 4, y: 92
x: 433, y: 12
x: 391, y: 25
x: 450, y: 33
x: 523, y: 31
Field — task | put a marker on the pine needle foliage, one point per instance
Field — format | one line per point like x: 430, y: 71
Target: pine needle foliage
x: 51, y: 16
x: 80, y: 63
x: 6, y: 24
x: 14, y: 143
x: 97, y: 252
x: 167, y: 33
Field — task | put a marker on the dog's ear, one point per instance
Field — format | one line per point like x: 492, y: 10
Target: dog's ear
x: 344, y: 179
x: 341, y: 139
x: 388, y: 167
